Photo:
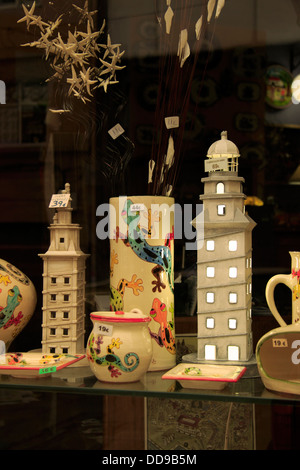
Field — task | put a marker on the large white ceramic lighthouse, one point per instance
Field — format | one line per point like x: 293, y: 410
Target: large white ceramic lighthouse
x: 224, y: 261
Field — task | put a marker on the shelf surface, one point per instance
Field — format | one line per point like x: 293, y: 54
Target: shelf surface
x: 80, y: 380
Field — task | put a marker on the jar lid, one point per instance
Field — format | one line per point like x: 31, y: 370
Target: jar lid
x: 134, y: 316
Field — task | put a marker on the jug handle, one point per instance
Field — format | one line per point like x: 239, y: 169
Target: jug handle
x: 270, y: 287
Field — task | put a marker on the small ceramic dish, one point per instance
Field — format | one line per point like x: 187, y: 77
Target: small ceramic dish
x: 205, y: 376
x: 35, y: 364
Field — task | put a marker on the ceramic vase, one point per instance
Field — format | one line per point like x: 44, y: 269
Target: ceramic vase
x: 119, y: 348
x: 17, y: 301
x: 142, y: 267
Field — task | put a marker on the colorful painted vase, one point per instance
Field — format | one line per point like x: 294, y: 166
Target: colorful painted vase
x: 119, y: 348
x: 17, y: 301
x: 142, y: 267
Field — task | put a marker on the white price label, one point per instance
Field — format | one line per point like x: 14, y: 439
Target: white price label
x: 279, y: 343
x: 105, y: 330
x: 116, y: 131
x: 137, y: 207
x: 59, y: 200
x: 172, y: 122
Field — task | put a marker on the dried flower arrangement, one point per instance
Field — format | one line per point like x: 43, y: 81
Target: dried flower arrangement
x: 176, y: 76
x: 78, y: 59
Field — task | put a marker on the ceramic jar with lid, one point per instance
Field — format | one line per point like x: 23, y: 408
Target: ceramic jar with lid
x: 119, y: 348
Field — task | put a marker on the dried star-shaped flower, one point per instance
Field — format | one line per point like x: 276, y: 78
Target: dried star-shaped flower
x: 85, y: 13
x: 75, y: 82
x: 111, y: 67
x: 109, y: 47
x: 37, y: 21
x: 87, y: 81
x: 28, y: 15
x: 74, y: 54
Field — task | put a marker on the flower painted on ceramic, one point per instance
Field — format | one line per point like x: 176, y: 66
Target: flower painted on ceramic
x: 114, y: 372
x: 115, y: 343
x: 98, y: 343
x: 4, y: 279
x: 296, y: 273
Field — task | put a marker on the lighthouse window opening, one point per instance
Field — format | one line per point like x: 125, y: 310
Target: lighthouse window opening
x: 232, y: 297
x: 52, y: 350
x: 233, y: 272
x: 53, y: 280
x: 52, y: 331
x: 210, y: 297
x: 232, y: 245
x: 221, y: 209
x: 67, y: 280
x: 65, y: 315
x: 52, y: 314
x: 210, y: 245
x: 53, y: 297
x: 210, y: 352
x: 210, y: 271
x: 61, y: 240
x: 65, y: 331
x: 66, y: 297
x: 232, y: 323
x: 65, y: 350
x: 210, y: 323
x: 233, y: 353
x: 220, y: 188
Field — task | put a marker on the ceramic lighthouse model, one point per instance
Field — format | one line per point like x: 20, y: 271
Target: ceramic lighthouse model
x: 224, y: 261
x: 63, y: 325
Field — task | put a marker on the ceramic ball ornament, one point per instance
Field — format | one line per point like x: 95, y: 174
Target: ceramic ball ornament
x: 17, y: 301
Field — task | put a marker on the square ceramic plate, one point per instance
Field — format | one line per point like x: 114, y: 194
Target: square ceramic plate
x: 35, y: 364
x: 205, y: 376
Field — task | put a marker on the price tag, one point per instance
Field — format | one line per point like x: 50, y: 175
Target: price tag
x: 172, y: 122
x: 137, y: 207
x: 105, y: 330
x: 59, y: 200
x: 279, y: 343
x: 47, y: 370
x: 116, y: 131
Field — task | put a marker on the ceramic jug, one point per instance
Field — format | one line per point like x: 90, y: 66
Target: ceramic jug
x: 278, y: 351
x: 119, y: 348
x: 292, y: 281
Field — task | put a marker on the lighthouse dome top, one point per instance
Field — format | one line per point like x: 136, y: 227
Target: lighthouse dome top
x: 222, y: 155
x: 223, y: 148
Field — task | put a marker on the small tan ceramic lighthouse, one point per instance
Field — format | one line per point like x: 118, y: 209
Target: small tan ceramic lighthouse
x: 63, y: 323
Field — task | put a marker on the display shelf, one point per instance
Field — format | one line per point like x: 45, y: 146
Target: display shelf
x: 79, y: 380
